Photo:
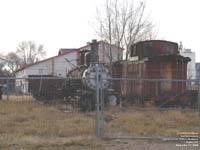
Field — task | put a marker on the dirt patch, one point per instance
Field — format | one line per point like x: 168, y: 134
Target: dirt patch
x: 118, y: 144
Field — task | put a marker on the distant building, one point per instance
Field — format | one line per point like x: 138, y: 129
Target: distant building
x: 191, y: 70
x: 54, y: 66
x: 198, y: 70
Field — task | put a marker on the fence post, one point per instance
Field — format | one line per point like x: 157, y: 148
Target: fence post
x: 199, y: 100
x: 98, y: 113
x: 7, y: 96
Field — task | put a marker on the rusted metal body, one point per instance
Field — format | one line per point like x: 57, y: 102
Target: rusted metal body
x: 145, y: 77
x: 46, y: 87
x: 160, y: 61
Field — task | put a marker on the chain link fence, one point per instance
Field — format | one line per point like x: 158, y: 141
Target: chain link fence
x: 53, y: 108
x: 151, y: 108
x: 62, y: 107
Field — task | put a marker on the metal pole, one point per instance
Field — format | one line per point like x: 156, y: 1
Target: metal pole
x: 40, y: 87
x: 199, y: 100
x: 7, y: 96
x: 101, y: 111
x: 98, y: 127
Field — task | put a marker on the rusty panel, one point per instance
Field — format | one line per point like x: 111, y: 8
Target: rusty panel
x: 153, y: 70
x: 166, y: 73
x: 133, y: 70
x: 124, y: 82
x: 117, y: 73
x: 168, y: 68
x: 50, y: 88
x: 180, y: 73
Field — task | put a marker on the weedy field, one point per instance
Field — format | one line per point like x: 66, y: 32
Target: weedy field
x: 152, y: 122
x: 27, y: 124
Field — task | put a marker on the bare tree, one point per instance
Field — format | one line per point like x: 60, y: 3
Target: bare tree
x: 29, y: 52
x: 3, y: 71
x: 13, y: 61
x: 123, y: 24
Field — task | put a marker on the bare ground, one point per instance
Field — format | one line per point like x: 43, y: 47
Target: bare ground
x: 118, y: 144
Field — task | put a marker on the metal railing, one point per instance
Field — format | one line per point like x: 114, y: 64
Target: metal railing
x: 177, y: 101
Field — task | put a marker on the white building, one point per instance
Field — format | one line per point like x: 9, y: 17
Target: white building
x: 55, y: 66
x: 191, y: 70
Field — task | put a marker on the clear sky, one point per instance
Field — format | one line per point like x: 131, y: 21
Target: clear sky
x: 68, y: 23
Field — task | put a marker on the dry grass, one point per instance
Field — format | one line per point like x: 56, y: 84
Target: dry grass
x: 28, y: 123
x: 17, y: 97
x: 163, y: 123
x: 22, y: 119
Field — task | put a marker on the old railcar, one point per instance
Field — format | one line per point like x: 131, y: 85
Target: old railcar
x: 46, y: 87
x: 150, y: 61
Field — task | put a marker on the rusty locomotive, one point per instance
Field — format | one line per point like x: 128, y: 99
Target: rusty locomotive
x: 81, y: 82
x: 155, y: 74
x: 145, y: 78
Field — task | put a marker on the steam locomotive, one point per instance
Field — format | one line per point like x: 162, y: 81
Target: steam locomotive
x: 81, y: 82
x: 149, y: 60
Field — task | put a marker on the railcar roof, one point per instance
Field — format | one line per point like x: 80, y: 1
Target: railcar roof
x: 156, y: 41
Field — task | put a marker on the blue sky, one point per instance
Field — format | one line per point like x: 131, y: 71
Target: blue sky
x: 67, y: 23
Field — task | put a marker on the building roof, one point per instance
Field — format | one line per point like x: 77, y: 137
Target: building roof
x: 4, y: 59
x: 35, y: 63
